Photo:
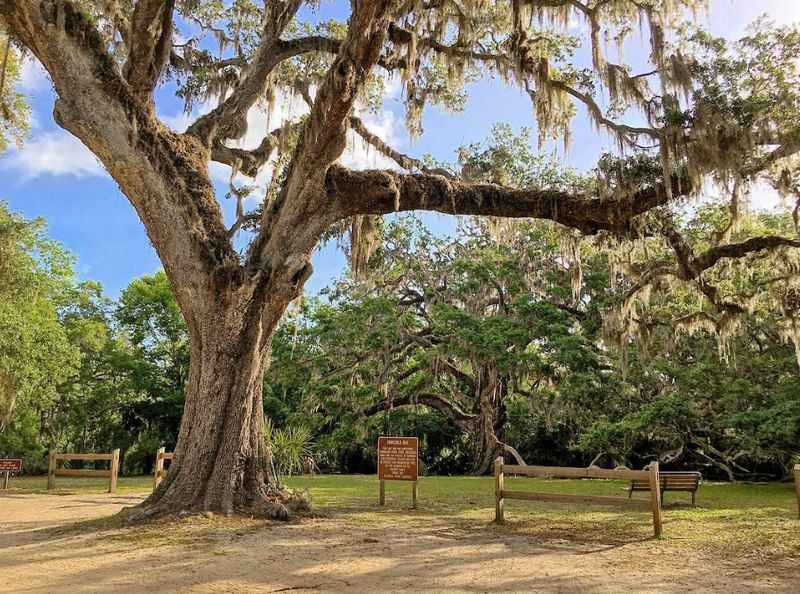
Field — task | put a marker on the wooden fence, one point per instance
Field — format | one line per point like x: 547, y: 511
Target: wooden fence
x: 111, y: 473
x: 653, y: 504
x: 797, y: 486
x: 160, y: 472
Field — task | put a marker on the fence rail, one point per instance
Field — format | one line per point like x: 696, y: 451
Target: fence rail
x: 570, y: 472
x: 53, y: 470
x: 651, y: 475
x: 159, y: 472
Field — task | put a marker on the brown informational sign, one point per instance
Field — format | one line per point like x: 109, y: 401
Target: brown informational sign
x: 10, y: 464
x: 397, y: 458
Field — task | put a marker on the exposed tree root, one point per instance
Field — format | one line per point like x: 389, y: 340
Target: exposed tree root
x: 282, y: 505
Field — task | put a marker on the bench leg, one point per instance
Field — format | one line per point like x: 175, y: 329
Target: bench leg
x: 693, y: 493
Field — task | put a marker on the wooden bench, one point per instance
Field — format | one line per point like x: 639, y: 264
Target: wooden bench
x: 687, y: 482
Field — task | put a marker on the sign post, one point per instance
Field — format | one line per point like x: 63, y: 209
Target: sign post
x: 398, y: 459
x: 9, y: 465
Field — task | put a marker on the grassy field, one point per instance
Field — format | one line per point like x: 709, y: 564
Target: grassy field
x: 755, y: 520
x: 456, y: 494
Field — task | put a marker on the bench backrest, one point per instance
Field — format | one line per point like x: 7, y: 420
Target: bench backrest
x: 680, y: 480
x: 672, y: 481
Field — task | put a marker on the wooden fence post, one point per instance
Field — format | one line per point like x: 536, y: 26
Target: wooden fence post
x: 498, y: 490
x: 797, y: 486
x: 159, y: 467
x: 51, y: 471
x: 655, y: 497
x: 112, y: 481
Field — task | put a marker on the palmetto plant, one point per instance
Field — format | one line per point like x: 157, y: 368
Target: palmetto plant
x: 288, y: 447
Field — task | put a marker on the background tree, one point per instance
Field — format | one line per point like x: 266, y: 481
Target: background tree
x: 458, y: 326
x: 433, y: 309
x: 35, y: 351
x: 714, y: 358
x: 105, y: 59
x: 14, y: 111
x: 400, y: 354
x: 157, y: 362
x: 80, y: 372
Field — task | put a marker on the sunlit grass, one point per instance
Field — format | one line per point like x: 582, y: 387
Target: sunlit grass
x: 758, y: 521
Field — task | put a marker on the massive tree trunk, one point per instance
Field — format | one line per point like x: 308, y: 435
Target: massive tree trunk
x: 231, y: 304
x: 221, y: 463
x: 489, y: 433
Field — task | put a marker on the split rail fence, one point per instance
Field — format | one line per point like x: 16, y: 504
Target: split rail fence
x: 652, y: 475
x: 110, y: 473
x: 160, y: 472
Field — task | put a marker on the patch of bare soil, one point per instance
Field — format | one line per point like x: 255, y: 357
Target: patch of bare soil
x: 51, y: 543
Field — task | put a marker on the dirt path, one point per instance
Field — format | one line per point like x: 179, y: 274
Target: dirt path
x: 42, y: 550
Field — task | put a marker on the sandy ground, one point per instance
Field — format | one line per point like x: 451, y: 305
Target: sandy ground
x: 43, y: 550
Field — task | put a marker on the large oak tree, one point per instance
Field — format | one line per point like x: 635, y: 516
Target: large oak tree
x: 106, y: 58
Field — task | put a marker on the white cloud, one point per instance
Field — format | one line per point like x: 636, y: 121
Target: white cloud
x: 763, y: 196
x: 784, y: 11
x: 392, y: 86
x: 178, y: 122
x: 33, y: 77
x: 53, y: 153
x: 360, y: 155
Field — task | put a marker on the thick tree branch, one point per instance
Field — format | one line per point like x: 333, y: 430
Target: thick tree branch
x: 164, y: 176
x: 403, y: 36
x: 461, y: 419
x: 229, y: 119
x: 383, y: 192
x: 300, y: 213
x: 629, y: 133
x: 150, y: 44
x: 784, y: 150
x: 451, y: 368
x: 405, y: 161
x: 691, y: 266
x: 712, y: 256
x: 249, y: 162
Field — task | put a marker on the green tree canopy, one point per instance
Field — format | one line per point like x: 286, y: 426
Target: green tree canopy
x: 36, y: 276
x: 14, y: 110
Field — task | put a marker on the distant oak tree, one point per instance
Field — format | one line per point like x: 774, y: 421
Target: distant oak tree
x: 707, y: 110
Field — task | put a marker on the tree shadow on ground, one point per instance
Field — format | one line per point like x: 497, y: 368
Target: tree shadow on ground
x: 363, y: 547
x: 345, y: 555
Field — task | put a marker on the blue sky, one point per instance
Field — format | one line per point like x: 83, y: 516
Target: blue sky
x: 53, y: 175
